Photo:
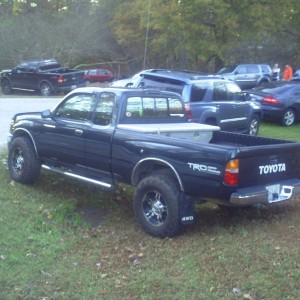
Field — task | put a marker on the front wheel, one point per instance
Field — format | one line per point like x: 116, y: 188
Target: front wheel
x: 6, y: 87
x: 156, y: 204
x: 45, y: 89
x: 254, y: 125
x: 288, y: 117
x: 23, y: 165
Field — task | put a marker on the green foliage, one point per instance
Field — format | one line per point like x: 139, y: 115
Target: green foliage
x: 188, y: 34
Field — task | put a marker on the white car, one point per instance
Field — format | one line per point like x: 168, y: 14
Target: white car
x: 128, y: 82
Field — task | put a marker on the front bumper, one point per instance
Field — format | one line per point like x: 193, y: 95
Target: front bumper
x: 266, y: 194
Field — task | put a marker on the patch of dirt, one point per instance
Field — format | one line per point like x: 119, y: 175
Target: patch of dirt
x: 92, y: 215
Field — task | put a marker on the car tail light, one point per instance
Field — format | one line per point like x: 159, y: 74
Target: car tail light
x: 270, y: 100
x: 188, y: 110
x: 231, y: 175
x: 60, y: 79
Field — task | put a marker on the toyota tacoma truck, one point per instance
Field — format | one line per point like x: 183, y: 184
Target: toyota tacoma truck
x: 142, y: 138
x: 44, y: 76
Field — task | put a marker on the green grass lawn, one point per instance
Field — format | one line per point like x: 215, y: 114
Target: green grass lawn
x: 48, y: 251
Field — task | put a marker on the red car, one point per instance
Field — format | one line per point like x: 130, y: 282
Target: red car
x: 98, y: 75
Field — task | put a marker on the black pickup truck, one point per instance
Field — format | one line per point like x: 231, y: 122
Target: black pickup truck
x: 141, y: 138
x: 45, y: 76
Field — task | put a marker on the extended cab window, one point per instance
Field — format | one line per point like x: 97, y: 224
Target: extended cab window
x: 153, y: 107
x: 104, y: 109
x: 78, y: 107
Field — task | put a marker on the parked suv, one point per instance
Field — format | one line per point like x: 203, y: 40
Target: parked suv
x: 208, y: 99
x: 247, y: 75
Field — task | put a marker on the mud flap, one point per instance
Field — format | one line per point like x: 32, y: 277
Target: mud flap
x: 186, y: 209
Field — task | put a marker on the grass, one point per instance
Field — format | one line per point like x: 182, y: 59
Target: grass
x: 48, y: 251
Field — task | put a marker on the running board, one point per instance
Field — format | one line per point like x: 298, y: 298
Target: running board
x: 66, y: 173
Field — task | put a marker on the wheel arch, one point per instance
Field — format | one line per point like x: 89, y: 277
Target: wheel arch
x: 152, y: 164
x: 21, y: 132
x: 5, y: 78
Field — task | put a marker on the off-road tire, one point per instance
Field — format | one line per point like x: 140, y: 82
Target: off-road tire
x: 23, y: 165
x: 156, y: 204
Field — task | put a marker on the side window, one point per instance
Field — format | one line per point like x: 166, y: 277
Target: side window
x: 134, y: 107
x: 242, y: 70
x: 78, y: 107
x: 153, y: 107
x: 234, y: 92
x: 104, y: 109
x: 219, y: 92
x: 198, y: 91
x: 265, y: 69
x: 252, y: 69
x: 176, y: 107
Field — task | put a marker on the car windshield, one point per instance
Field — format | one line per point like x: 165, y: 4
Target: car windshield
x: 228, y: 69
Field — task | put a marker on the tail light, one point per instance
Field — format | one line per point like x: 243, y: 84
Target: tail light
x: 188, y: 110
x: 231, y: 175
x: 270, y: 100
x: 60, y: 79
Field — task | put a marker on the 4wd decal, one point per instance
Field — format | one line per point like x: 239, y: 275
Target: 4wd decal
x: 274, y: 168
x: 205, y: 168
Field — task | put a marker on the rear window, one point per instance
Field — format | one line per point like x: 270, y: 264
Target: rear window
x: 166, y: 84
x: 154, y: 108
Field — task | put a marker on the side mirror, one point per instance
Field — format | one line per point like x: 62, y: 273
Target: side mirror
x: 46, y: 114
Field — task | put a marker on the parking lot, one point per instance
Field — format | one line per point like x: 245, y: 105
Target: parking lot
x: 12, y: 105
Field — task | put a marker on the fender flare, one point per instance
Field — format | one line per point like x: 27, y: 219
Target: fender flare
x: 155, y: 161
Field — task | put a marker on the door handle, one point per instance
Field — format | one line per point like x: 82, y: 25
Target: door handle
x: 78, y: 132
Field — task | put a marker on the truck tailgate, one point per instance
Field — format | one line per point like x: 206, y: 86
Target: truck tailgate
x: 268, y: 164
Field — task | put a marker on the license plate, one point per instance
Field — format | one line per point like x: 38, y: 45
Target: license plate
x: 273, y: 193
x: 278, y: 193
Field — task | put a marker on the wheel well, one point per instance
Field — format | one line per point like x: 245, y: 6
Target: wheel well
x: 5, y: 79
x: 24, y: 133
x: 263, y: 80
x: 211, y: 121
x: 45, y: 81
x: 157, y: 166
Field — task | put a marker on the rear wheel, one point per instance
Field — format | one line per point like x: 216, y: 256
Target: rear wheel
x: 45, y: 89
x: 288, y: 117
x: 24, y: 167
x: 254, y: 125
x: 156, y: 203
x: 6, y: 87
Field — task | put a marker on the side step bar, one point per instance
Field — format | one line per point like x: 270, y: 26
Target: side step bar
x: 66, y: 173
